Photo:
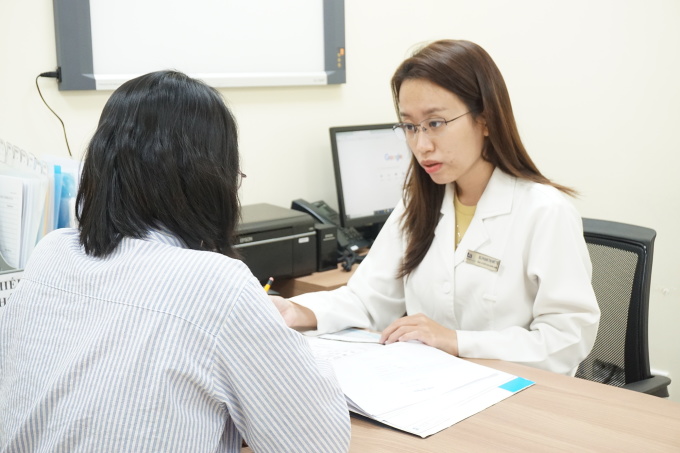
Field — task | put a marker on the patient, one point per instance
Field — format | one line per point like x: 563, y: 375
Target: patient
x: 139, y: 331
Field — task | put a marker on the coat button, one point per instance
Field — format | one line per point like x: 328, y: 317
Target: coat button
x: 446, y: 287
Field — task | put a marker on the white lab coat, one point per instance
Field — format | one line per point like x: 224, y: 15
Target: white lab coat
x: 538, y: 309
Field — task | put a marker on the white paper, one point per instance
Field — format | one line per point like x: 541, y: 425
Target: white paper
x: 331, y: 351
x: 11, y: 201
x: 404, y: 374
x: 24, y: 192
x: 353, y: 335
x: 412, y: 386
x: 8, y: 281
x: 33, y: 206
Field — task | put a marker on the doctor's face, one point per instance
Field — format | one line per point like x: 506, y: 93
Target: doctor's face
x: 447, y: 140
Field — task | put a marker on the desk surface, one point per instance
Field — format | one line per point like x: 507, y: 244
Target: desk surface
x: 318, y: 281
x: 558, y: 413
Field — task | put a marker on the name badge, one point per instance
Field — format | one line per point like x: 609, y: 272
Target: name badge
x: 481, y: 260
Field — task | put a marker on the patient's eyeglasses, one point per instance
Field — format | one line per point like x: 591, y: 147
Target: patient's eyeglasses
x: 432, y: 127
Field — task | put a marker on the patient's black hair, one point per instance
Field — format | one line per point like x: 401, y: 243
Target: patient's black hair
x: 164, y: 156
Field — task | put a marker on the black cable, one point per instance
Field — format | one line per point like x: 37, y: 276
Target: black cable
x: 53, y: 74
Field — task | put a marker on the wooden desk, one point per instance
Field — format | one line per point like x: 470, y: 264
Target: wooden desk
x: 557, y: 413
x: 318, y: 281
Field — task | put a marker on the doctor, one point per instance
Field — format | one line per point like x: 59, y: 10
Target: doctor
x: 485, y: 256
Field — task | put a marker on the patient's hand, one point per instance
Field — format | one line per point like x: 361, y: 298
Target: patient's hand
x: 294, y: 315
x: 286, y: 308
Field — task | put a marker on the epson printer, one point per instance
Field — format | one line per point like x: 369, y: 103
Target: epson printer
x: 277, y: 242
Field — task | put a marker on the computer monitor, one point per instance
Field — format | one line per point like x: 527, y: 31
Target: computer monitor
x: 370, y: 164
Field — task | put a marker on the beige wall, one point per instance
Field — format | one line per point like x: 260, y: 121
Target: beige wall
x: 595, y: 86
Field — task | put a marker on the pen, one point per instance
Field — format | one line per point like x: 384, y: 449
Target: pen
x: 269, y: 284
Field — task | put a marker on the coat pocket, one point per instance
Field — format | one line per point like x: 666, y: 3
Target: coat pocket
x: 489, y: 302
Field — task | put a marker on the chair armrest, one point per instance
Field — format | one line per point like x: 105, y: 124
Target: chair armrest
x: 656, y: 385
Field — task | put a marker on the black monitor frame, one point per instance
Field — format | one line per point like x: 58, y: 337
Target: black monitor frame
x: 366, y: 223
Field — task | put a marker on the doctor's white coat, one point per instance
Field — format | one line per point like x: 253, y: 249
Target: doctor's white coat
x: 538, y: 308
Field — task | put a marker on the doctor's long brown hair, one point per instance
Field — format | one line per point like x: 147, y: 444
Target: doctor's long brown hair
x: 466, y: 70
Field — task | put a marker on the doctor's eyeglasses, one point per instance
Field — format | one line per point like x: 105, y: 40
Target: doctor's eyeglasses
x: 431, y: 127
x: 241, y: 177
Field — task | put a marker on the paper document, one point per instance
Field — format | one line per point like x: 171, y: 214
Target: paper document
x: 353, y: 335
x: 23, y: 194
x: 8, y: 281
x: 413, y: 387
x: 11, y: 209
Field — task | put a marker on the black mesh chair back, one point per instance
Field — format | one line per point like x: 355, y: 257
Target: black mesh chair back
x: 622, y: 265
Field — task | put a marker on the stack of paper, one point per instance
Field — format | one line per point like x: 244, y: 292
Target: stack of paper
x: 413, y: 387
x: 11, y: 202
x: 23, y: 192
x: 36, y: 197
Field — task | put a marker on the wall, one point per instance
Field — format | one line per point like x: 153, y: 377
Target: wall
x: 595, y: 87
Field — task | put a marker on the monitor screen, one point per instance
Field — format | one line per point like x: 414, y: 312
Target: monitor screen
x: 370, y: 164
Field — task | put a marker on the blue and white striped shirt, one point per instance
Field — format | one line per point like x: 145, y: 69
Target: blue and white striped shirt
x: 156, y: 348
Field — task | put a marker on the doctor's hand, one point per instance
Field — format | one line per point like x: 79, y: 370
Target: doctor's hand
x: 294, y: 315
x: 420, y: 327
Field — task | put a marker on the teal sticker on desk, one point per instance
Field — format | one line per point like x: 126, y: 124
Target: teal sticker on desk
x: 516, y: 384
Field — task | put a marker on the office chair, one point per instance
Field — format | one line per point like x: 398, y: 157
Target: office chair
x: 622, y: 265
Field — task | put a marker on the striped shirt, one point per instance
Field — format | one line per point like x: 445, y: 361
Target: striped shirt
x: 156, y: 348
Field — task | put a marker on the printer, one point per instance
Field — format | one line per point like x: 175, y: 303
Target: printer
x: 276, y: 242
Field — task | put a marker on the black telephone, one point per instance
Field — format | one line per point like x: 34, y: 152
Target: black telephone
x: 349, y: 239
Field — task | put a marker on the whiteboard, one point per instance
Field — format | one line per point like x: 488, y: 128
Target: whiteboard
x: 226, y: 43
